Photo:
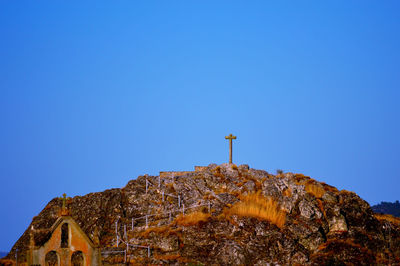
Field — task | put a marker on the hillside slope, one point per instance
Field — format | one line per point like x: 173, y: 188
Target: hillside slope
x: 392, y: 208
x: 229, y: 215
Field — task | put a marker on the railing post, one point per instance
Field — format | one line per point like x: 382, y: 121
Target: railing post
x: 116, y: 231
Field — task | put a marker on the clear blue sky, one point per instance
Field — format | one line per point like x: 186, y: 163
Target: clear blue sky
x: 96, y: 93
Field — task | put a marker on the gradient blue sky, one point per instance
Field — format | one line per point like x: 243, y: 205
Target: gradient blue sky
x: 96, y: 93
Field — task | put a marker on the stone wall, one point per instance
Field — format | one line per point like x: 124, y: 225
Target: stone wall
x: 171, y: 174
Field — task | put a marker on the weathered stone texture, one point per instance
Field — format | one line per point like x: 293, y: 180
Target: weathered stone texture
x: 330, y: 227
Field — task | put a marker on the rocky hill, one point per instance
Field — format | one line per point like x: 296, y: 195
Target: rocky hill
x: 228, y: 214
x: 392, y: 208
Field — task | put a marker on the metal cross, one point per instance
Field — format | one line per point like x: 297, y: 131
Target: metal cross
x: 230, y: 137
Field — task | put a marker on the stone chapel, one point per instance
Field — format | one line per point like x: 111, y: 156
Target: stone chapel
x: 67, y: 245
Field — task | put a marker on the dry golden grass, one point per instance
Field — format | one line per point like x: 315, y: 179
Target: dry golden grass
x: 257, y: 206
x: 170, y: 187
x: 300, y: 177
x: 193, y: 218
x: 158, y: 230
x: 287, y: 192
x: 315, y: 189
x: 217, y: 173
x: 167, y: 257
x: 387, y: 217
x: 164, y: 231
x: 234, y: 167
x: 344, y: 191
x: 329, y: 188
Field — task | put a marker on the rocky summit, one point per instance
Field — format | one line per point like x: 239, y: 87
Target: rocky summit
x: 225, y: 215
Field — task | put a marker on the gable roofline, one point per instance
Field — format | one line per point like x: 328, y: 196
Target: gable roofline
x: 71, y: 220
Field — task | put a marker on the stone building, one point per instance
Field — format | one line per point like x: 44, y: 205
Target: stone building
x: 66, y: 245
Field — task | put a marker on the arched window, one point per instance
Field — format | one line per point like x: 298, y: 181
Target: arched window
x: 77, y: 258
x: 51, y: 258
x: 64, y: 235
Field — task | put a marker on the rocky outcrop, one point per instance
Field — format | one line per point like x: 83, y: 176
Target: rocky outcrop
x: 230, y: 215
x: 392, y: 208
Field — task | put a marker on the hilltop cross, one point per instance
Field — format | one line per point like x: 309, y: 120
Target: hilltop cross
x: 230, y: 137
x: 64, y: 200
